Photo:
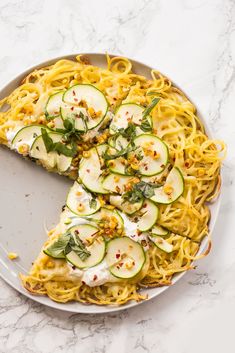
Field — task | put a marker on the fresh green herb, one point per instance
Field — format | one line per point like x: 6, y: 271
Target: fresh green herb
x: 57, y: 248
x: 58, y: 147
x: 65, y: 243
x: 93, y: 203
x: 129, y: 131
x: 123, y: 152
x: 75, y: 244
x: 146, y: 125
x: 150, y: 107
x: 139, y: 191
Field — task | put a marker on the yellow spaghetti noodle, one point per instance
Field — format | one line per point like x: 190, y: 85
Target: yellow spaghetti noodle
x: 176, y: 123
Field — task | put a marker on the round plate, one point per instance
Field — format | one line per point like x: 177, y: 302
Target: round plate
x: 31, y: 200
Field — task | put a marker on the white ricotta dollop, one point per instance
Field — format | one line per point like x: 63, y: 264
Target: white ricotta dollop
x: 132, y: 232
x: 93, y: 276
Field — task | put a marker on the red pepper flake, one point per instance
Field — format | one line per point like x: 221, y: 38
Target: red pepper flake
x: 186, y: 164
x: 117, y: 256
x: 146, y: 168
x: 95, y: 278
x: 121, y: 264
x: 88, y: 170
x: 76, y: 231
x: 118, y: 267
x: 72, y: 108
x: 155, y: 153
x: 73, y: 93
x: 75, y: 100
x: 145, y: 205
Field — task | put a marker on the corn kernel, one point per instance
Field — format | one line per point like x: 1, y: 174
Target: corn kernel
x: 116, y: 179
x: 86, y: 154
x: 134, y: 166
x: 23, y: 149
x: 12, y: 255
x: 78, y: 193
x: 80, y: 207
x: 129, y: 264
x: 168, y: 189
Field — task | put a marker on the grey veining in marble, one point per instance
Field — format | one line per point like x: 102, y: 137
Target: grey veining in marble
x: 193, y: 42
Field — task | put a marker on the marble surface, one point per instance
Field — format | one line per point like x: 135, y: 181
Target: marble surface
x: 193, y: 42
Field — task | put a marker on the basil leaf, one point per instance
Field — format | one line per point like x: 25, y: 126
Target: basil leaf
x: 48, y: 142
x: 79, y: 248
x: 58, y: 147
x: 146, y: 125
x: 93, y: 203
x: 57, y: 248
x: 148, y: 110
x: 139, y: 191
x: 124, y: 151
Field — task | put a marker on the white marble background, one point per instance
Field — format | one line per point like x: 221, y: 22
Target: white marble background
x: 192, y: 41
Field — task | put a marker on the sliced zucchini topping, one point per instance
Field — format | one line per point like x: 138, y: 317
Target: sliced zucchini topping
x: 51, y: 151
x: 25, y: 137
x: 54, y: 104
x: 90, y: 170
x: 108, y: 220
x: 148, y: 217
x: 115, y: 183
x: 125, y: 257
x: 125, y: 205
x: 91, y: 99
x: 81, y: 202
x: 161, y: 243
x: 171, y: 190
x: 150, y: 155
x: 158, y: 230
x: 93, y: 244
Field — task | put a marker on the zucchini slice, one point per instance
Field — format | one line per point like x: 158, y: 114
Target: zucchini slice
x: 172, y: 189
x: 90, y: 97
x: 115, y: 183
x: 161, y: 243
x: 51, y: 159
x: 79, y: 201
x: 77, y: 114
x: 128, y: 112
x: 90, y: 170
x: 125, y: 257
x: 106, y: 214
x: 26, y: 135
x: 158, y: 230
x: 117, y: 166
x: 154, y: 153
x: 125, y: 206
x: 54, y: 104
x: 149, y: 216
x: 95, y: 245
x: 118, y: 142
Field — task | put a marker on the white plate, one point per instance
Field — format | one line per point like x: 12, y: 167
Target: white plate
x: 31, y: 198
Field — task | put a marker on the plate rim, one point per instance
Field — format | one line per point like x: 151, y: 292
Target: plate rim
x: 96, y: 309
